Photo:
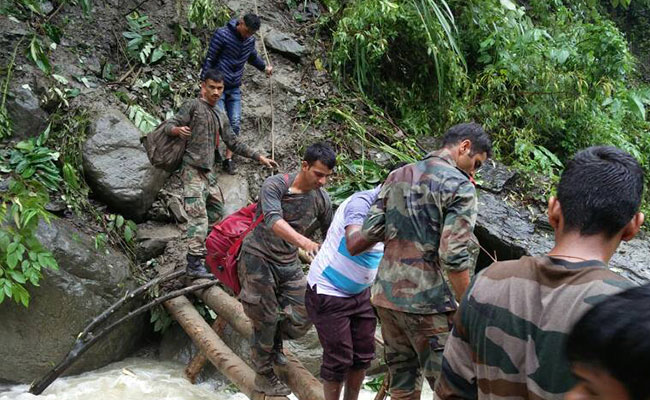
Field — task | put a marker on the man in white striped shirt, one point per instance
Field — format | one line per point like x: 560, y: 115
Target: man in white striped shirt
x: 338, y: 300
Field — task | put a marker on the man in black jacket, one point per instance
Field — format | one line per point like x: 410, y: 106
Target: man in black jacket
x: 231, y: 47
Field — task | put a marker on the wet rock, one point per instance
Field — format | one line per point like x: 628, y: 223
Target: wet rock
x: 91, y: 64
x: 284, y: 44
x: 308, y: 350
x: 429, y: 143
x: 235, y: 192
x: 494, y: 176
x: 510, y: 231
x: 56, y: 205
x: 152, y: 239
x: 116, y: 166
x: 27, y: 117
x: 381, y: 158
x: 88, y: 282
x: 47, y: 7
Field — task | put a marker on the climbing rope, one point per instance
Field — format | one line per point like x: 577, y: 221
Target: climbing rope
x: 268, y: 62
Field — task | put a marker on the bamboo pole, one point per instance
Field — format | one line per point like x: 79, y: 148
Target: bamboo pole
x: 197, y: 363
x: 302, y: 383
x: 226, y: 361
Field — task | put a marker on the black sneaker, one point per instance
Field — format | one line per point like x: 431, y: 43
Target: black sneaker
x: 271, y: 385
x: 196, y: 268
x: 228, y: 166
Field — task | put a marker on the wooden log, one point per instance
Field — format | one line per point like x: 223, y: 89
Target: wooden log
x: 82, y: 345
x: 197, y: 362
x: 226, y: 361
x: 302, y: 383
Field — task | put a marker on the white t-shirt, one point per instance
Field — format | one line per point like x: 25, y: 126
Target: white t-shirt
x: 334, y: 271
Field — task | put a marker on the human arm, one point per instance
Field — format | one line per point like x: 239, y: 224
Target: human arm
x: 179, y: 124
x: 286, y: 232
x: 256, y: 61
x: 373, y: 227
x: 239, y: 147
x: 354, y: 214
x: 457, y: 376
x: 214, y: 50
x: 271, y: 194
x: 457, y: 228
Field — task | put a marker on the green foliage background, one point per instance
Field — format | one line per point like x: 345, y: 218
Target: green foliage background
x: 545, y: 77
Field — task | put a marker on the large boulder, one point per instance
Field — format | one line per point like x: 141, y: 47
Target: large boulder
x: 116, y: 165
x: 36, y: 338
x: 27, y: 117
x: 284, y: 44
x: 508, y: 230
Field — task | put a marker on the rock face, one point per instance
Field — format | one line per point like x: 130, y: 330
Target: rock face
x: 235, y: 192
x: 88, y: 281
x: 513, y: 231
x: 117, y: 168
x: 284, y: 44
x: 27, y: 117
x: 153, y: 237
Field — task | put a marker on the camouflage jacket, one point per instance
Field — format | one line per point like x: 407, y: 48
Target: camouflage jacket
x: 509, y: 332
x: 202, y: 145
x: 425, y: 215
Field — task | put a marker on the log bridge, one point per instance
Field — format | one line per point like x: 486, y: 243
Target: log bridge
x: 230, y: 311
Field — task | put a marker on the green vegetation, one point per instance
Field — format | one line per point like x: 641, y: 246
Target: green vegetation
x: 142, y: 40
x: 545, y: 79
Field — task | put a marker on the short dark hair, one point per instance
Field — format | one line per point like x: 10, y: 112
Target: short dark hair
x: 214, y: 75
x: 322, y: 152
x: 600, y: 190
x: 614, y: 335
x: 471, y: 131
x: 252, y: 22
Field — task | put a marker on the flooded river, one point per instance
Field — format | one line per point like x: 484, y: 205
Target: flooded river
x: 135, y: 379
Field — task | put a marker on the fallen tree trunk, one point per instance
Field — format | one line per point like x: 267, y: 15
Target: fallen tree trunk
x: 302, y: 383
x: 81, y: 345
x: 197, y: 362
x: 226, y: 361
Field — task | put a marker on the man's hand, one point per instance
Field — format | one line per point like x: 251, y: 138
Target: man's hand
x: 183, y: 131
x: 268, y: 162
x: 310, y: 247
x: 269, y: 70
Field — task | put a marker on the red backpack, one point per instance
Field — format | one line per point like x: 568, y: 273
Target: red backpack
x: 225, y: 240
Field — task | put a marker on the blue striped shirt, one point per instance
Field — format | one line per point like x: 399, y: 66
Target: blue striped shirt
x: 335, y: 271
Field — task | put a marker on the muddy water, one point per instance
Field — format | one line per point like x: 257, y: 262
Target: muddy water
x: 135, y: 379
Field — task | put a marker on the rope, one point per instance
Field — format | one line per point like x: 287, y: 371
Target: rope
x: 268, y: 62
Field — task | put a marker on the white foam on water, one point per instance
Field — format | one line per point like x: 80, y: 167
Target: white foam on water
x: 138, y: 379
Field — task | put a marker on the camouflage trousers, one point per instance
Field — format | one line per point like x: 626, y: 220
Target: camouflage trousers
x: 413, y: 349
x: 273, y: 297
x: 203, y: 206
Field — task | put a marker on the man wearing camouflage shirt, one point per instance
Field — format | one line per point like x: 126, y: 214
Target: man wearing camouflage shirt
x: 425, y: 215
x: 510, y: 330
x: 200, y: 125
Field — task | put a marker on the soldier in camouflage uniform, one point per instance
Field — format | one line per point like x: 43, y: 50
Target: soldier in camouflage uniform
x: 198, y: 124
x: 271, y: 277
x: 510, y: 330
x: 425, y: 215
x: 609, y: 348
